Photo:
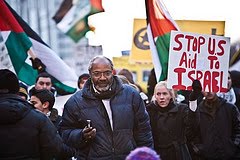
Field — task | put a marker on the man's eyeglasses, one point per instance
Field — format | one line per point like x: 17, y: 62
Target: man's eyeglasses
x: 99, y: 74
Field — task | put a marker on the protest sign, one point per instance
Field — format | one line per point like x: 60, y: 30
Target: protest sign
x: 198, y: 56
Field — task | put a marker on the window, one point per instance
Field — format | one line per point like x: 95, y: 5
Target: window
x: 145, y: 76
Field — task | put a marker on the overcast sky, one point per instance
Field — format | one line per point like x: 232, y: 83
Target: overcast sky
x: 114, y: 26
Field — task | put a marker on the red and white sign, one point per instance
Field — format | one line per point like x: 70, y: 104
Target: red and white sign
x: 198, y: 56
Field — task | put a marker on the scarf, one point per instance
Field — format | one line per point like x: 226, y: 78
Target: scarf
x: 229, y: 96
x: 167, y: 108
x: 212, y: 105
x: 105, y: 94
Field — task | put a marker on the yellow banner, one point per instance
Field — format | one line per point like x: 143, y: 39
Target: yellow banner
x: 140, y: 51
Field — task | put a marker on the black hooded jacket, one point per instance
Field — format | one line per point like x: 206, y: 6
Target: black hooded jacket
x: 218, y: 133
x: 24, y: 132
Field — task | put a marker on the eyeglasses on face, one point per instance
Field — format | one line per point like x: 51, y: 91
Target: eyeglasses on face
x: 99, y: 74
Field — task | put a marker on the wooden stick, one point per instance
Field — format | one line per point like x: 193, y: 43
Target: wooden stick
x: 31, y: 53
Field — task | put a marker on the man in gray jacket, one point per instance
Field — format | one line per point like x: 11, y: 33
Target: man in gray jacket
x: 118, y: 119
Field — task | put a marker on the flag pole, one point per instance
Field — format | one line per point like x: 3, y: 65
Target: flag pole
x: 31, y: 53
x: 36, y: 62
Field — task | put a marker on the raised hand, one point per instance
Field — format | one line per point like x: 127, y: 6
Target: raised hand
x: 196, y: 90
x: 37, y: 64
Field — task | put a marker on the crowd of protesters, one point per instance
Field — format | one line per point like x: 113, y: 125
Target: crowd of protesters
x: 110, y: 117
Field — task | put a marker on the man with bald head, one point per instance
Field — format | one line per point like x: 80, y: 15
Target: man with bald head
x: 106, y: 119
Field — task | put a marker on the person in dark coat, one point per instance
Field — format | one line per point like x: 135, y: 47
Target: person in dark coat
x: 43, y: 100
x: 117, y: 118
x: 216, y: 134
x: 44, y: 81
x: 169, y: 122
x: 24, y: 132
x: 233, y: 94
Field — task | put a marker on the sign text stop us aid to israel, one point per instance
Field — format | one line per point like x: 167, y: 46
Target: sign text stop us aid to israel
x: 198, y: 56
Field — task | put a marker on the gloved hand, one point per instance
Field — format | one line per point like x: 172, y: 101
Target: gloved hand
x: 196, y: 90
x: 37, y: 64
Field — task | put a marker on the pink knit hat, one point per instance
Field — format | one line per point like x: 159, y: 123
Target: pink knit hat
x: 143, y: 153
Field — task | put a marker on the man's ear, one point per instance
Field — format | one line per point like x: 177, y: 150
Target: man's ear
x: 45, y: 105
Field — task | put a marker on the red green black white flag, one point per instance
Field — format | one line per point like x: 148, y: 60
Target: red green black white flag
x: 159, y: 26
x: 19, y: 39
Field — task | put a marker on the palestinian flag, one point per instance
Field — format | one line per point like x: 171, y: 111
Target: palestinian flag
x: 159, y: 26
x: 72, y: 16
x: 20, y: 40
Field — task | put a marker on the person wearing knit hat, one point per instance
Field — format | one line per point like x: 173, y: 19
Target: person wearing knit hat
x: 23, y: 91
x: 8, y: 82
x: 143, y: 153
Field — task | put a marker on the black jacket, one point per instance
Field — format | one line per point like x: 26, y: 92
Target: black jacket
x: 218, y: 135
x: 169, y: 127
x: 24, y: 132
